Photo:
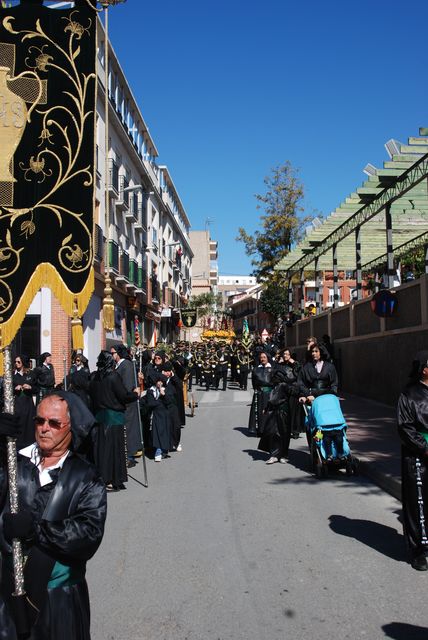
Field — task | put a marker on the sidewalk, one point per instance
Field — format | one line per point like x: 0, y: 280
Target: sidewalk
x: 373, y: 438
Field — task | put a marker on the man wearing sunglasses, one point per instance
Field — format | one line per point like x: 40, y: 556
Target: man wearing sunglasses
x: 60, y: 521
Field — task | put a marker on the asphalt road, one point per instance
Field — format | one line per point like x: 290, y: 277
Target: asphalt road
x: 223, y: 547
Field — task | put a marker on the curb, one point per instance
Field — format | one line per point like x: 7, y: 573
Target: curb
x: 385, y: 481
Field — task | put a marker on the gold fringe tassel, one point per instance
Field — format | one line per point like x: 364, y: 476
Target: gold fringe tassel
x: 108, y: 306
x: 47, y: 276
x: 76, y: 330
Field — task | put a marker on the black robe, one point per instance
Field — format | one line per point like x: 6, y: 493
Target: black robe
x: 412, y: 418
x: 70, y: 513
x: 44, y: 380
x: 178, y: 386
x: 288, y: 373
x: 160, y: 421
x: 171, y: 401
x: 25, y: 408
x: 126, y: 371
x: 312, y: 383
x: 78, y: 382
x: 263, y: 385
x: 276, y: 433
x: 109, y: 398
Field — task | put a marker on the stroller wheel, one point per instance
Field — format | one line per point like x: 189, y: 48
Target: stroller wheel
x: 349, y: 468
x: 319, y: 471
x: 355, y: 467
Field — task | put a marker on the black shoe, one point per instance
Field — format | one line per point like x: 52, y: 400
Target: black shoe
x: 419, y: 563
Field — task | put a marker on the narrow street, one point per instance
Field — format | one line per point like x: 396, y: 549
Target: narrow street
x: 223, y: 547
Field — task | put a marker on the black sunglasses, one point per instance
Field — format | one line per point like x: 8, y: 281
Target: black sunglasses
x: 52, y: 422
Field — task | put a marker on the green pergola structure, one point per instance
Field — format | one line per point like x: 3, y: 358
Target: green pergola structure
x: 381, y: 221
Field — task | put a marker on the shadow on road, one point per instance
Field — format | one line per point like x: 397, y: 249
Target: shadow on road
x: 299, y: 459
x: 386, y: 540
x: 256, y: 454
x: 245, y: 431
x: 403, y: 631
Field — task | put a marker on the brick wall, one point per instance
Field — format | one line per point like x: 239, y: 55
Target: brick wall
x: 61, y: 340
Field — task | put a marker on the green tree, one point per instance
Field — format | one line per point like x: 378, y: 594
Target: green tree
x: 205, y: 303
x: 281, y: 222
x: 274, y: 299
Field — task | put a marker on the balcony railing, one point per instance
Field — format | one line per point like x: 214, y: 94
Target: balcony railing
x: 133, y: 273
x: 123, y: 200
x: 114, y: 255
x: 113, y: 176
x: 142, y: 279
x: 155, y: 290
x: 98, y: 243
x: 124, y: 265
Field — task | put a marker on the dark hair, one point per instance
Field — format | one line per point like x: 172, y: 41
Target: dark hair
x: 105, y: 363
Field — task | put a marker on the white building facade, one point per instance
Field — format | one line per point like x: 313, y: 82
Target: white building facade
x: 146, y: 237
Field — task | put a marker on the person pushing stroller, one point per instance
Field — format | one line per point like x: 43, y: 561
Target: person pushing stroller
x: 319, y: 377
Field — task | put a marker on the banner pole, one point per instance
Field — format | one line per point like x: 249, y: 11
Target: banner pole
x: 12, y: 471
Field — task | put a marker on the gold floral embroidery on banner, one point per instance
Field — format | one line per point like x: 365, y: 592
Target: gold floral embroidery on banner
x: 45, y: 164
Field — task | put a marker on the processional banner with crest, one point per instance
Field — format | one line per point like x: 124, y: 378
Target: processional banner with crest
x: 189, y: 317
x: 47, y: 153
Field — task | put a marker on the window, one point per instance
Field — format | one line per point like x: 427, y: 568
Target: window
x: 331, y: 295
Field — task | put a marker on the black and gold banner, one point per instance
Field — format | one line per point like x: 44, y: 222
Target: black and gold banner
x: 47, y: 152
x: 189, y: 317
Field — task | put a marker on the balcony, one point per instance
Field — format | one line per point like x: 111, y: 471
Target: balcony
x: 141, y: 281
x: 155, y: 290
x: 134, y: 207
x: 140, y: 218
x: 114, y: 256
x: 98, y: 243
x: 123, y: 276
x: 113, y: 177
x: 97, y: 161
x: 122, y: 202
x: 133, y: 273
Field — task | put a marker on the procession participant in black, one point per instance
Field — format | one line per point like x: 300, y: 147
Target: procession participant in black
x: 208, y: 367
x: 244, y: 360
x: 221, y: 367
x: 412, y: 418
x: 275, y: 434
x: 172, y: 401
x: 44, y: 376
x: 79, y: 377
x: 262, y: 385
x: 316, y: 378
x: 125, y: 368
x: 60, y: 521
x: 109, y: 399
x: 234, y: 361
x: 198, y: 365
x: 178, y: 380
x: 24, y: 388
x: 291, y: 368
x: 159, y: 419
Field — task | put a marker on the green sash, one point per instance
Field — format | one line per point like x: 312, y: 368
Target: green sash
x: 65, y: 576
x: 110, y: 417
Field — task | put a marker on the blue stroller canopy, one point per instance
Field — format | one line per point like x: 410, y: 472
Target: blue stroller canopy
x: 326, y: 413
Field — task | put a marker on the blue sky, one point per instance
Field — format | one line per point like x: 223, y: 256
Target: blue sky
x: 230, y: 89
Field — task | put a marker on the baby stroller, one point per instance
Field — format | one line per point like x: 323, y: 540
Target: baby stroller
x: 326, y: 433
